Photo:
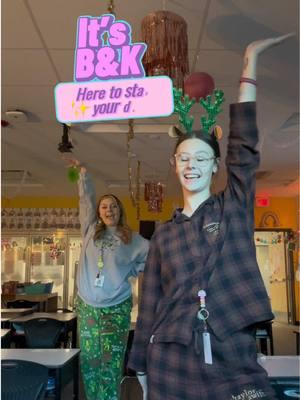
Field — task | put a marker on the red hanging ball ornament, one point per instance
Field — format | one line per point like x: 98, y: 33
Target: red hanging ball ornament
x: 198, y: 85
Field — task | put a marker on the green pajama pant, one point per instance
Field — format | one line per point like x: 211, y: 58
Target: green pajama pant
x: 103, y: 337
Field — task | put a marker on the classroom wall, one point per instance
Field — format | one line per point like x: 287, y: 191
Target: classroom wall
x: 286, y: 209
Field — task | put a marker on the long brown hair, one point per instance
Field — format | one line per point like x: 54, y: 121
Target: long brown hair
x: 124, y: 232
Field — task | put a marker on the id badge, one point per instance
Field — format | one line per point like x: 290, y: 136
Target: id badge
x: 99, y: 281
x: 207, y: 348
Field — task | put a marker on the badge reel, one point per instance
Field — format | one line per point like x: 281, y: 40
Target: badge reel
x: 202, y: 315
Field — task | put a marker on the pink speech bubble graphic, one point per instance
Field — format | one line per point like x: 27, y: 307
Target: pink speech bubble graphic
x: 114, y: 99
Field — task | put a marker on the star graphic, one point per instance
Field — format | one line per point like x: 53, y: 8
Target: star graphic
x: 83, y: 108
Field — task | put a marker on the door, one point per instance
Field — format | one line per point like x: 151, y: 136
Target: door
x: 47, y: 261
x: 274, y: 260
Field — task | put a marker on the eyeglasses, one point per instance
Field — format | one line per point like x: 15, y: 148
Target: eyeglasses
x: 185, y: 158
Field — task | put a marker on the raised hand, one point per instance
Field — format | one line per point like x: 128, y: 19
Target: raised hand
x: 70, y: 161
x: 259, y: 46
x: 248, y: 80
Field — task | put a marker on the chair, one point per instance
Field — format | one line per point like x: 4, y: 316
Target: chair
x: 264, y: 333
x: 43, y: 333
x: 23, y: 380
x: 17, y: 333
x: 23, y: 304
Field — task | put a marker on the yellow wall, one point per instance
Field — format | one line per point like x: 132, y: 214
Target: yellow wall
x: 71, y: 202
x: 285, y: 208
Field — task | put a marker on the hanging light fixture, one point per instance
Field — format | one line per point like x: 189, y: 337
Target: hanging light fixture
x: 165, y: 34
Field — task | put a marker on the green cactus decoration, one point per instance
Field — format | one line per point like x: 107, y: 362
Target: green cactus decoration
x: 183, y: 105
x: 212, y: 109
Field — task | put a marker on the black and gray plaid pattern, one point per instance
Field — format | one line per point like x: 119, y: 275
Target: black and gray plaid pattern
x: 181, y: 374
x: 212, y: 250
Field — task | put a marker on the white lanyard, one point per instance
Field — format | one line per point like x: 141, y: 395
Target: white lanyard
x: 202, y: 315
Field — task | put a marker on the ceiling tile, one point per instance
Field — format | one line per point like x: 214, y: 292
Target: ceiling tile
x: 18, y: 32
x: 27, y: 67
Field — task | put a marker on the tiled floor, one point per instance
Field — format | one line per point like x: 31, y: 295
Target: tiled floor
x: 284, y: 344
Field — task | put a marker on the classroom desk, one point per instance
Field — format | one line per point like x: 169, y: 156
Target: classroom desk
x: 297, y: 333
x: 280, y: 366
x: 69, y: 320
x: 15, y: 312
x: 58, y: 360
x: 47, y: 301
x: 283, y: 372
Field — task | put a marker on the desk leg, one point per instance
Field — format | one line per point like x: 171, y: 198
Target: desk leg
x: 58, y: 384
x: 297, y: 344
x: 264, y: 346
x: 74, y: 334
x: 76, y: 378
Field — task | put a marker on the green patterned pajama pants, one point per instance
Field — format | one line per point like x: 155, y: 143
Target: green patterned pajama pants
x: 103, y: 336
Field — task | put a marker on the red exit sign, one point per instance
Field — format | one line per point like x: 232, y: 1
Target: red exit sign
x: 262, y: 201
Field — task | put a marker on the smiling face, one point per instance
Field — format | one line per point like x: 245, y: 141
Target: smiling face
x: 195, y: 165
x: 109, y: 211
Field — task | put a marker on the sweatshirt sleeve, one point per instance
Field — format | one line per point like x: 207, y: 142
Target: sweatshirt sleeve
x: 87, y: 202
x: 242, y: 158
x: 142, y: 248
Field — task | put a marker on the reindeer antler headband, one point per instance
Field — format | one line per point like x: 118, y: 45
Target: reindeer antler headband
x: 183, y: 105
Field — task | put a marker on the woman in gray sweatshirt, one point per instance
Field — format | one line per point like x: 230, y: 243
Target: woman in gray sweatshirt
x: 111, y: 253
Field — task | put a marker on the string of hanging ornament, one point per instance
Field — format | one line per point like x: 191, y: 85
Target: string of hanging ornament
x: 290, y: 239
x: 274, y: 240
x: 111, y: 7
x: 153, y: 193
x: 134, y: 196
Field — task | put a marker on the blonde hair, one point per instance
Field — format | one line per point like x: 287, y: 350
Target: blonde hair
x: 123, y: 230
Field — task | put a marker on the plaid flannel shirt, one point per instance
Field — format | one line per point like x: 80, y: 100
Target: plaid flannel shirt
x: 212, y: 250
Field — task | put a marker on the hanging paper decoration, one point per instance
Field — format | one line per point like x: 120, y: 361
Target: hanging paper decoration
x: 56, y: 249
x: 154, y: 196
x: 165, y: 34
x: 199, y: 85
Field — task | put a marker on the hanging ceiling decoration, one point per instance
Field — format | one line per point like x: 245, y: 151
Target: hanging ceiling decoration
x: 165, y: 34
x: 154, y: 196
x: 111, y: 7
x: 135, y: 197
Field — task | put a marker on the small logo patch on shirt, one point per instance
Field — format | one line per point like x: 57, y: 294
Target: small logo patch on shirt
x: 212, y: 227
x: 249, y: 395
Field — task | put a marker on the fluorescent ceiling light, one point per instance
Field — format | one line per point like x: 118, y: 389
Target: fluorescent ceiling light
x: 121, y: 128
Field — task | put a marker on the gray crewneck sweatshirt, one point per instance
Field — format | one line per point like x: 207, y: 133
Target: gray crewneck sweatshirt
x: 120, y: 260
